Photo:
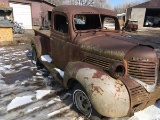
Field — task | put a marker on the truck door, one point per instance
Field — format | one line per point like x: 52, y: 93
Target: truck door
x: 59, y: 39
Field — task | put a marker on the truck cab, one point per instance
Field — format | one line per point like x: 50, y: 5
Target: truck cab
x: 110, y: 75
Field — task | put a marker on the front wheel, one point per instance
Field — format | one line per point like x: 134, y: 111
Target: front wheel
x: 82, y: 102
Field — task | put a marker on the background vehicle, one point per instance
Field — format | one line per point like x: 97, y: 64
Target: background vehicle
x: 109, y: 74
x: 131, y: 25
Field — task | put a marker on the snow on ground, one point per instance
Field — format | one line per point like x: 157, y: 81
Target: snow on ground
x: 60, y: 72
x: 50, y: 115
x: 19, y: 101
x: 42, y: 93
x: 46, y: 58
x: 150, y: 113
x: 2, y: 49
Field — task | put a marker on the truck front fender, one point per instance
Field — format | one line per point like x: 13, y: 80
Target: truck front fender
x: 108, y: 96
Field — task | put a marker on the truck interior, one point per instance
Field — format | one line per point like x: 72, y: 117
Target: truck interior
x: 61, y: 23
x: 93, y: 21
x: 85, y: 22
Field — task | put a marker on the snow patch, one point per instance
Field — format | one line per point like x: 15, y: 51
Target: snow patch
x: 19, y: 101
x: 26, y: 51
x: 2, y: 82
x: 46, y: 58
x: 41, y: 93
x: 39, y: 74
x: 53, y: 101
x: 1, y: 76
x: 11, y: 71
x: 60, y: 72
x: 50, y: 115
x: 2, y: 68
x: 150, y: 113
x: 34, y: 62
x: 43, y: 106
x: 18, y: 65
x: 8, y: 66
x: 25, y: 67
x: 2, y: 49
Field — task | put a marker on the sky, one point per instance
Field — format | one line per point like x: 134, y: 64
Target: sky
x: 119, y: 2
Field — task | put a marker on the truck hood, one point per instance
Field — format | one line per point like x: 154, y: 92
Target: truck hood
x: 114, y: 47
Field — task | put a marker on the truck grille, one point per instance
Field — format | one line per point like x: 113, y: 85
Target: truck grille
x: 144, y: 71
x: 139, y: 98
x: 97, y: 60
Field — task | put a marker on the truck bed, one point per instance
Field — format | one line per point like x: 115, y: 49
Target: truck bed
x: 42, y: 32
x: 45, y: 41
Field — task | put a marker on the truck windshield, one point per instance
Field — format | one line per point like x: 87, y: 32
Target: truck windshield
x: 93, y: 21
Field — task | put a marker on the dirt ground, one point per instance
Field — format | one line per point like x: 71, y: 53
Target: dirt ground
x: 20, y: 78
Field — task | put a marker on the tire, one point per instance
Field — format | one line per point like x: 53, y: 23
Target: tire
x: 82, y: 102
x: 34, y: 57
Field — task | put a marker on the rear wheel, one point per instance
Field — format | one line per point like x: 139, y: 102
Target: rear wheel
x: 34, y: 57
x: 82, y: 102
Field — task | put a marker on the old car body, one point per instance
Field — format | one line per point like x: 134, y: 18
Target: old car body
x: 119, y: 76
x: 131, y: 25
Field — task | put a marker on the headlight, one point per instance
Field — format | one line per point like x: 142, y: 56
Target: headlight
x: 116, y: 70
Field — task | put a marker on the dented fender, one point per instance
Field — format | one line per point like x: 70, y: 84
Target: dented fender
x: 109, y: 96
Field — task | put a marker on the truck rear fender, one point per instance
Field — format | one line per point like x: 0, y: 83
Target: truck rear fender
x: 108, y: 96
x: 39, y: 43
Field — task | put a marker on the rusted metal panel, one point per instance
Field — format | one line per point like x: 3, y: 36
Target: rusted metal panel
x: 42, y: 43
x: 76, y: 9
x: 140, y: 98
x: 99, y: 45
x: 143, y: 67
x: 108, y: 96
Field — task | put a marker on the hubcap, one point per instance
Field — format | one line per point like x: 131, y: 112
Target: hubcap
x: 82, y: 102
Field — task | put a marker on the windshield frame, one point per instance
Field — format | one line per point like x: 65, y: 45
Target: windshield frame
x: 117, y: 27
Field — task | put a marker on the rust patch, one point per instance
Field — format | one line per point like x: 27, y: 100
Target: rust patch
x: 118, y: 86
x: 98, y: 75
x: 98, y: 89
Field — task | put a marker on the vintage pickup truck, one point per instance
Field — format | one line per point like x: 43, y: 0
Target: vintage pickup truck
x: 110, y: 75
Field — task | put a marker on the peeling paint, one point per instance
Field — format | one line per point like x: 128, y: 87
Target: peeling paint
x: 98, y: 75
x: 98, y: 89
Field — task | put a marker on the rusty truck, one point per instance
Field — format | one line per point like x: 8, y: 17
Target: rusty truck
x: 110, y: 75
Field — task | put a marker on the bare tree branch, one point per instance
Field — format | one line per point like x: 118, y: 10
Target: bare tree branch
x: 96, y: 3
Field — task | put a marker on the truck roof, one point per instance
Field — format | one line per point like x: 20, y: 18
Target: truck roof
x: 77, y: 9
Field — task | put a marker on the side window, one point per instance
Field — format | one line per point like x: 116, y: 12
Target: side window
x: 61, y: 23
x: 109, y: 23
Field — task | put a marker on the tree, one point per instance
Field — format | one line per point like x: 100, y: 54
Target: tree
x: 123, y: 7
x: 101, y: 4
x: 96, y: 3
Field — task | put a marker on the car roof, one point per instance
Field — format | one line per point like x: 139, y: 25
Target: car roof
x: 77, y: 9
